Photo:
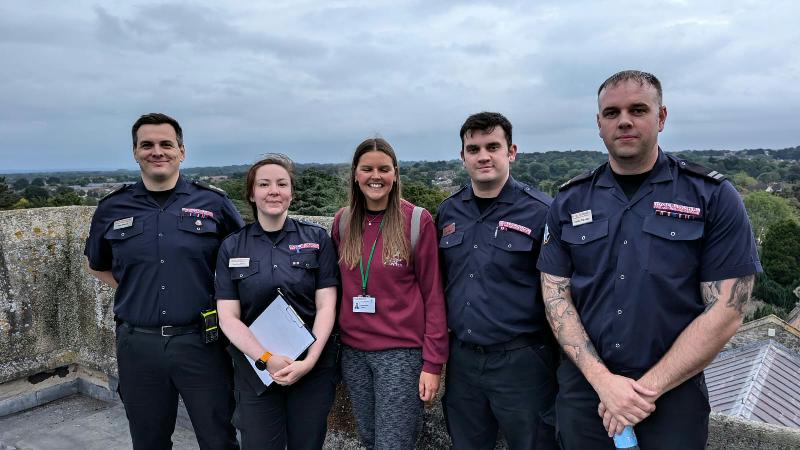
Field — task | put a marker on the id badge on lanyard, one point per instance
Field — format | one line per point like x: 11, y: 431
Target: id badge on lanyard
x: 366, y: 303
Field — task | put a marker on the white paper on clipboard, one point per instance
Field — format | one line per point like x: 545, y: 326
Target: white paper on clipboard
x: 281, y: 331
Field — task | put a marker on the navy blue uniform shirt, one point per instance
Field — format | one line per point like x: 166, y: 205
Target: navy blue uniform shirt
x: 162, y: 258
x: 636, y: 265
x: 489, y: 263
x: 300, y: 261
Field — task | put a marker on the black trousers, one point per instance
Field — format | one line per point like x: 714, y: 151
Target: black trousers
x: 293, y: 417
x: 153, y: 370
x: 512, y: 390
x: 679, y: 421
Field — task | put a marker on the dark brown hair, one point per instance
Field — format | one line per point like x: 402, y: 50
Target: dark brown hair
x: 156, y: 119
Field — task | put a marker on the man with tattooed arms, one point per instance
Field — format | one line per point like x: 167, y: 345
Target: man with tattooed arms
x: 647, y: 263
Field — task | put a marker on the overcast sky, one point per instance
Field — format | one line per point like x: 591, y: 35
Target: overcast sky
x: 314, y: 78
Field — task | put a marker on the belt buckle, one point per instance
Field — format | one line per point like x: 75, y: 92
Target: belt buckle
x: 163, y: 330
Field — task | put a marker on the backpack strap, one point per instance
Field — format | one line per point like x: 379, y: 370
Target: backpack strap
x: 344, y: 219
x: 416, y: 215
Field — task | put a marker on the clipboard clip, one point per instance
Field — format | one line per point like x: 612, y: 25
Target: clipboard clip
x: 291, y: 312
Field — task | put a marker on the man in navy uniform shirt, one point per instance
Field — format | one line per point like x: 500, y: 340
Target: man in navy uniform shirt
x: 647, y: 264
x: 501, y: 370
x: 156, y: 242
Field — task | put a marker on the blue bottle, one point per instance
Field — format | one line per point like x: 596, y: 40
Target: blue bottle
x: 626, y: 439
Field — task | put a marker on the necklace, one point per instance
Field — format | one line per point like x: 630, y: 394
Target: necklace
x: 371, y: 220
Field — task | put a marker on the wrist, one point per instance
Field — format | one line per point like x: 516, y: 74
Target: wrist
x: 261, y: 363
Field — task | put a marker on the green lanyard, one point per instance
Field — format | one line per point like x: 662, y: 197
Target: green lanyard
x: 365, y: 274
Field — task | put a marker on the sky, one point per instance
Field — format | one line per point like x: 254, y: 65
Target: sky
x: 314, y: 78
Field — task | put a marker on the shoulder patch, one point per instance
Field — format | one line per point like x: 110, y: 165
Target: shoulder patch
x: 537, y: 194
x: 577, y: 179
x: 115, y: 191
x: 210, y: 187
x: 705, y: 172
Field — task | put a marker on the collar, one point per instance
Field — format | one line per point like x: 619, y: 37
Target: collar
x: 181, y: 187
x: 660, y: 172
x: 506, y: 195
x: 288, y: 225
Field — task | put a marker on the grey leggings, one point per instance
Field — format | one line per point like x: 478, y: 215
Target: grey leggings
x: 384, y: 389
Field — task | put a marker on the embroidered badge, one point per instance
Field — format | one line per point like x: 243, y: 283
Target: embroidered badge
x: 449, y: 229
x: 503, y: 225
x: 194, y: 212
x: 675, y: 210
x: 298, y: 247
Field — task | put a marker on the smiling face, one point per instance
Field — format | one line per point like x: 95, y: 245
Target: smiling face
x: 159, y: 155
x: 271, y: 192
x: 630, y: 117
x: 376, y: 176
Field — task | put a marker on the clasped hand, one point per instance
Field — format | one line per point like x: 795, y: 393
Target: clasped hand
x: 623, y: 401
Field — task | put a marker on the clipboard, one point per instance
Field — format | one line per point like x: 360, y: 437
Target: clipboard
x: 281, y: 331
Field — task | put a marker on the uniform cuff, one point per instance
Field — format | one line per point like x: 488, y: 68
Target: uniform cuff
x: 322, y: 284
x: 552, y: 269
x: 433, y: 368
x: 226, y: 295
x: 731, y: 272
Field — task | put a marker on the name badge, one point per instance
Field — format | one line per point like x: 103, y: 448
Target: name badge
x: 364, y: 304
x: 239, y: 262
x: 123, y: 223
x: 580, y: 218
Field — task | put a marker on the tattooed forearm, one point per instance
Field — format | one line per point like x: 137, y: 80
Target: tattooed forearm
x: 564, y: 320
x: 711, y: 291
x: 740, y: 293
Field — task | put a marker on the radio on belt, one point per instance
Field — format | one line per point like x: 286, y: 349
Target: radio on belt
x: 210, y: 325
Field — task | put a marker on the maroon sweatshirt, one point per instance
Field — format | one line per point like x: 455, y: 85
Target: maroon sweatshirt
x: 409, y: 300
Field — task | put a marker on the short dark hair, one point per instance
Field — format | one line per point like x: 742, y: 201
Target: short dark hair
x: 156, y: 119
x: 633, y: 75
x: 485, y: 122
x: 279, y: 159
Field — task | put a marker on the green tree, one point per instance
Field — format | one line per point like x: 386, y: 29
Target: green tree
x: 53, y: 180
x: 318, y: 193
x: 65, y: 198
x: 427, y: 197
x: 20, y: 184
x: 771, y: 292
x: 36, y: 195
x: 743, y: 181
x: 37, y: 182
x: 7, y: 196
x: 781, y: 252
x: 765, y: 209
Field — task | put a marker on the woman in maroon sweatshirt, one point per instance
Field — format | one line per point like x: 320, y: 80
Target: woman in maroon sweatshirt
x: 392, y: 317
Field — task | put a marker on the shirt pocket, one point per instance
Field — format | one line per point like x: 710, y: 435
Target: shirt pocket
x: 588, y: 245
x: 451, y: 240
x: 513, y: 251
x: 242, y: 273
x: 675, y: 244
x: 197, y: 237
x: 126, y: 243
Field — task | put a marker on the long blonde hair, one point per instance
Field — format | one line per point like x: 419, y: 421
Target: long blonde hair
x: 395, y: 242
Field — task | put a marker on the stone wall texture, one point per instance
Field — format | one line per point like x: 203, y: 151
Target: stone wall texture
x: 53, y: 314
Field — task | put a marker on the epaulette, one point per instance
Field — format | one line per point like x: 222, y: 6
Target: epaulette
x: 704, y: 172
x: 308, y: 222
x: 538, y: 195
x: 210, y: 187
x: 115, y: 191
x: 460, y: 190
x: 578, y: 179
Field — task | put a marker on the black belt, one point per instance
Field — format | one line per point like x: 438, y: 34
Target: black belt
x: 166, y: 330
x: 521, y: 341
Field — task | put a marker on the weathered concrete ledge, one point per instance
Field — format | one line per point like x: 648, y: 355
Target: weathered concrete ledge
x: 54, y: 314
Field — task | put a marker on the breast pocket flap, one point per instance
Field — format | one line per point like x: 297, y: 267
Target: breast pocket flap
x: 583, y: 234
x: 125, y: 233
x: 451, y: 240
x: 304, y: 261
x: 197, y: 226
x: 240, y: 273
x: 672, y: 228
x: 513, y: 241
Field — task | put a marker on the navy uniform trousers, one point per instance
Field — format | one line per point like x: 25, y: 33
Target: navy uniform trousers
x: 154, y: 369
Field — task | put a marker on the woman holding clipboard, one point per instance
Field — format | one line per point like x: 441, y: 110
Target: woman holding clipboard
x: 392, y: 315
x: 278, y: 252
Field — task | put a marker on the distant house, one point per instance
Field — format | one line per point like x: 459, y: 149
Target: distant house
x: 759, y: 381
x: 765, y: 328
x: 775, y: 187
x: 794, y: 315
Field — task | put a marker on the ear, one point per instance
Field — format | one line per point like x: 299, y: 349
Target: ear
x: 512, y: 153
x: 662, y: 118
x: 183, y: 152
